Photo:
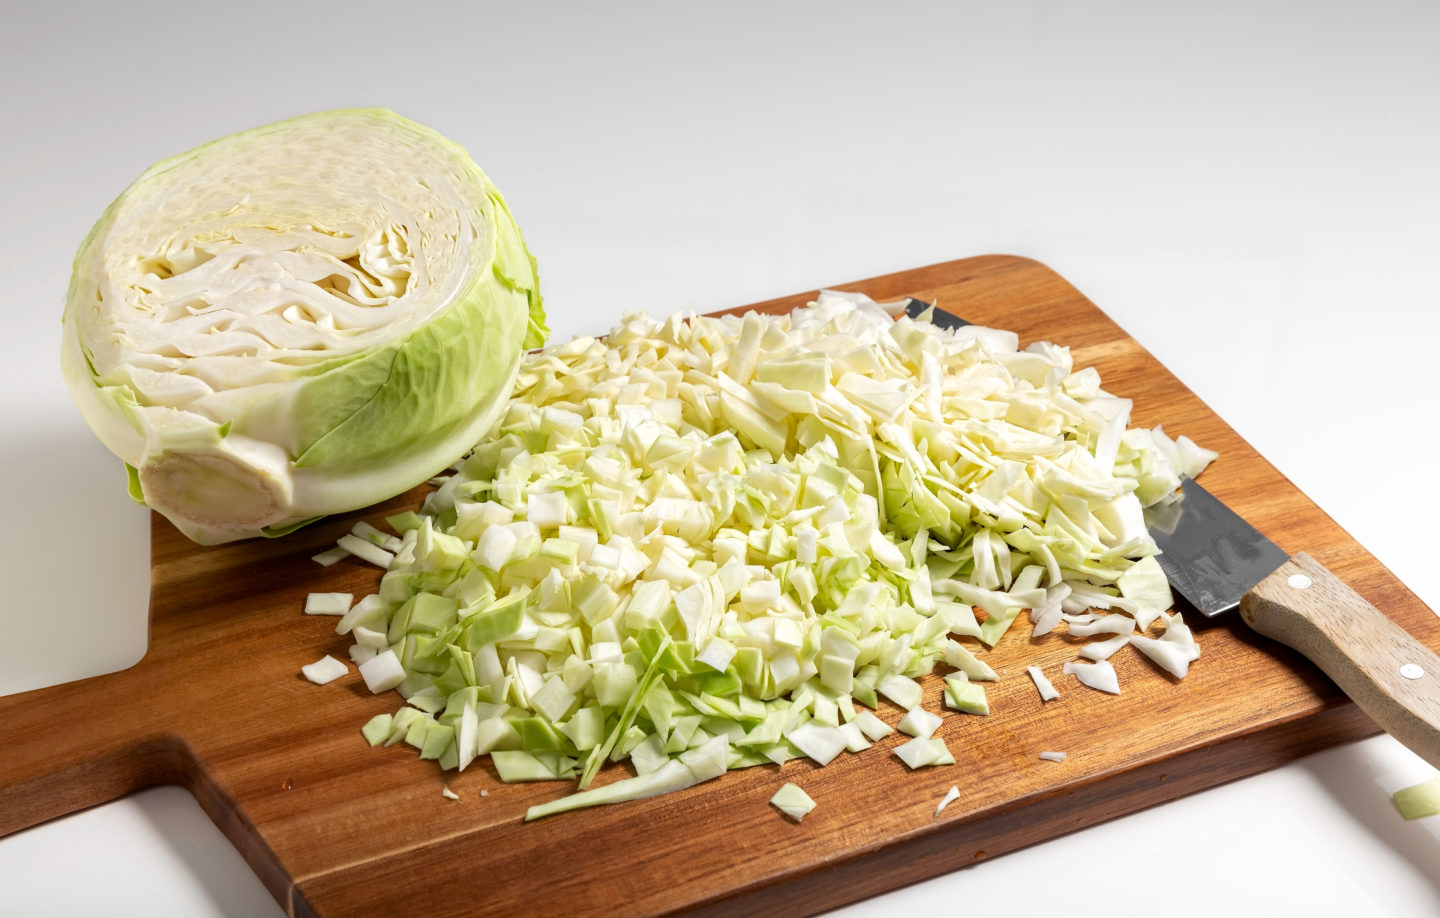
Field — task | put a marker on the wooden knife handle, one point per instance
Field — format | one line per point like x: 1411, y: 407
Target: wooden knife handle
x: 1391, y: 676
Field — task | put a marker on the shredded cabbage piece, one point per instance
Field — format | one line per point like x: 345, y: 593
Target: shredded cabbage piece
x: 951, y: 796
x: 328, y: 603
x: 792, y: 800
x: 326, y: 669
x: 1174, y: 650
x: 924, y: 750
x: 1043, y: 685
x: 1103, y: 650
x: 1418, y: 800
x: 1100, y: 675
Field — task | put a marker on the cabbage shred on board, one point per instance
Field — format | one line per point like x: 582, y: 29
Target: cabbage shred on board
x: 697, y: 543
x: 297, y: 320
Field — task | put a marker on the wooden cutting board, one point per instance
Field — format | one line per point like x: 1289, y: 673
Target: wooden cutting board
x: 334, y: 827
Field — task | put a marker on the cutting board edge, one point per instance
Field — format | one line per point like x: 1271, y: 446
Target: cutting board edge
x: 1043, y: 817
x: 903, y: 283
x: 932, y: 850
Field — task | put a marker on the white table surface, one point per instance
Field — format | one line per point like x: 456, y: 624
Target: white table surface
x: 1250, y: 189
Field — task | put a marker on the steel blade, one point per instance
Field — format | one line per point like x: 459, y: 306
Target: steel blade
x: 1209, y: 553
x: 940, y: 318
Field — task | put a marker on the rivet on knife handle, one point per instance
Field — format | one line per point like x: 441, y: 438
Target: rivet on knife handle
x: 1390, y: 675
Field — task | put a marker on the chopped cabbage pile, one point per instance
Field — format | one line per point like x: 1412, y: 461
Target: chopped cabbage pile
x: 712, y: 542
x: 297, y: 320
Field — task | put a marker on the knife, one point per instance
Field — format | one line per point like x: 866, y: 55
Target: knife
x: 1219, y: 563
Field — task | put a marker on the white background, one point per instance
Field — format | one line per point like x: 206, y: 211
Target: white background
x: 1250, y: 189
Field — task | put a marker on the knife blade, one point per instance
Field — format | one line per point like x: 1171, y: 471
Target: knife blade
x: 1209, y: 553
x: 947, y: 320
x: 1219, y: 563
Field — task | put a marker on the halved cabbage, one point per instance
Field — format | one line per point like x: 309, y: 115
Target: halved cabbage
x: 298, y: 320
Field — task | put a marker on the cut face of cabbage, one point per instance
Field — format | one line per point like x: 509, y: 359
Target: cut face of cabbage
x: 297, y: 320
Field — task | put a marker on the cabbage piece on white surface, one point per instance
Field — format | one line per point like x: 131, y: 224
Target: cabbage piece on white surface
x: 298, y: 320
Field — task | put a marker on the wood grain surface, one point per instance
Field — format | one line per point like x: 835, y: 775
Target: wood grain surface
x: 334, y: 827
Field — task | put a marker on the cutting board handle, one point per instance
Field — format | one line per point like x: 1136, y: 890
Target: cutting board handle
x: 80, y: 744
x: 1390, y: 675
